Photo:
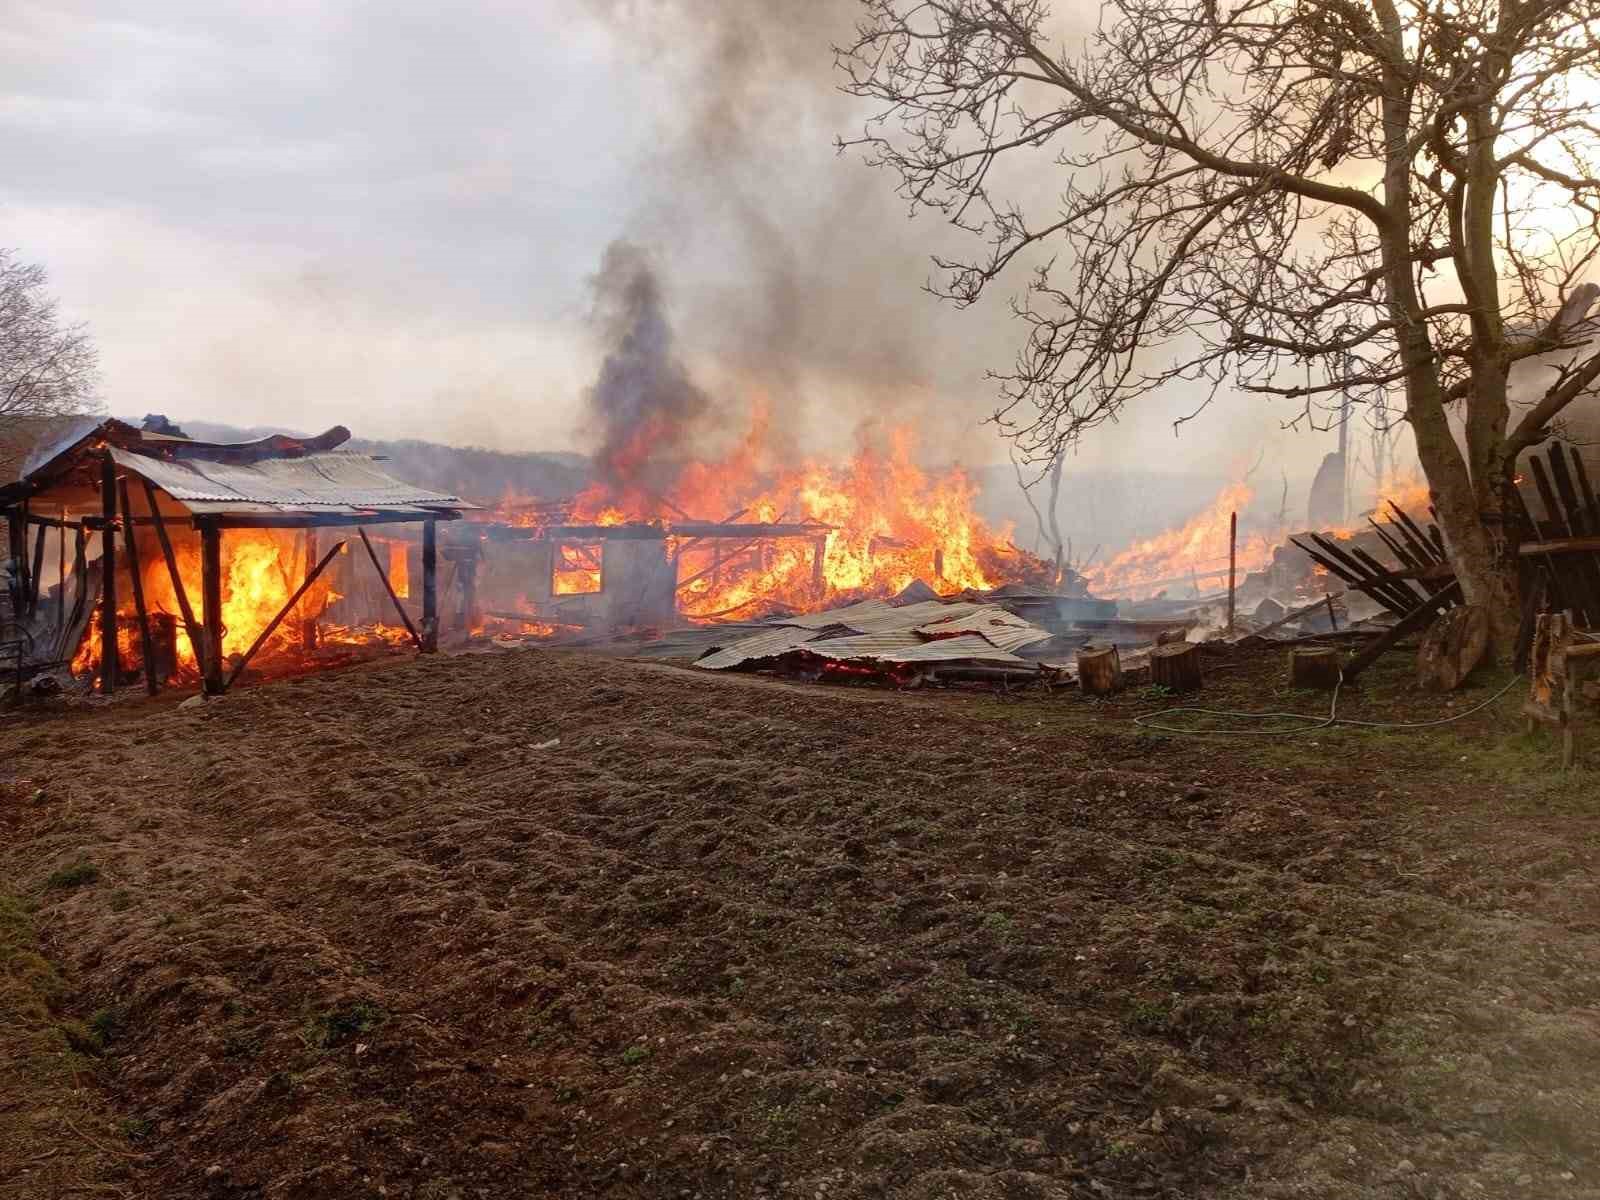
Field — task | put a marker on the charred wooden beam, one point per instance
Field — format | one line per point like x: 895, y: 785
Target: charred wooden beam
x: 61, y: 569
x: 1413, y: 533
x: 383, y: 575
x: 430, y: 587
x: 211, y: 606
x: 1414, y: 620
x: 261, y: 638
x: 37, y: 571
x: 108, y: 575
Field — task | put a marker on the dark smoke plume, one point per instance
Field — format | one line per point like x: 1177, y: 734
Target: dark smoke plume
x: 644, y: 406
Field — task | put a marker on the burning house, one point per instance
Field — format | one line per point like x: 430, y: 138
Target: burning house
x: 147, y: 555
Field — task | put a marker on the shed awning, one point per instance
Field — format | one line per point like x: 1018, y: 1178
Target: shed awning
x: 336, y: 482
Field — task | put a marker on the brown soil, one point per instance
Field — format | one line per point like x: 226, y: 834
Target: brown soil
x: 368, y: 934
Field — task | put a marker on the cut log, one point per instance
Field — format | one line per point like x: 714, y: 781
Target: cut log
x: 1452, y: 647
x: 1319, y: 667
x: 1099, y: 670
x: 1176, y: 666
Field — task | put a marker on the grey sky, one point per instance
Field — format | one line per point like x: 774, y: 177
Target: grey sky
x: 386, y: 215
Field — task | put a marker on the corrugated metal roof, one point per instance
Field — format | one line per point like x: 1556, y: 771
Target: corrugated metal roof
x: 904, y: 646
x: 769, y: 644
x: 316, y: 481
x: 997, y: 626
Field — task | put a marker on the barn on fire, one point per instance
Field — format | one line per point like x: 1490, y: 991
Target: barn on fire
x: 165, y: 553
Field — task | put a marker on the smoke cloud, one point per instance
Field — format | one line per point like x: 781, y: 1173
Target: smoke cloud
x: 644, y: 406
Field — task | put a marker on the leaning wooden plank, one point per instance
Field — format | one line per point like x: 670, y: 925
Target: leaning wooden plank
x: 1413, y: 534
x: 389, y: 587
x: 196, y: 638
x: 1416, y: 619
x: 282, y: 613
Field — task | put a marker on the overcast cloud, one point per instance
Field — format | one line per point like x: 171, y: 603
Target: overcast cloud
x: 388, y: 214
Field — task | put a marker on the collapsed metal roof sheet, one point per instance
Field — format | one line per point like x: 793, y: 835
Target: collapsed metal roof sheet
x: 872, y: 631
x: 999, y: 627
x: 335, y: 479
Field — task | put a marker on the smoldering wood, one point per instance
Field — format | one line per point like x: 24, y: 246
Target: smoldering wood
x: 1233, y: 559
x: 108, y: 568
x: 1290, y: 617
x: 61, y: 569
x: 130, y: 540
x: 197, y: 640
x: 308, y: 627
x: 261, y: 638
x: 383, y: 575
x: 1176, y: 666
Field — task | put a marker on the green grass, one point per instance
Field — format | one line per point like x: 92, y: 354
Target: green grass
x: 328, y: 1030
x: 76, y: 875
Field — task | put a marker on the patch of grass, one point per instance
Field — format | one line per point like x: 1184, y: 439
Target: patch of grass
x: 107, y: 1025
x: 326, y: 1031
x: 120, y: 901
x: 136, y: 1129
x: 635, y: 1054
x: 78, y: 874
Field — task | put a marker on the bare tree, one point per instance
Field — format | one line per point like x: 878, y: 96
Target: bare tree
x: 47, y: 368
x: 1399, y: 192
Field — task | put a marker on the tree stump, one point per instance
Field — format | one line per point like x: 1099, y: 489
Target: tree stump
x: 1452, y: 647
x: 1099, y: 670
x: 1176, y: 666
x: 1315, y: 667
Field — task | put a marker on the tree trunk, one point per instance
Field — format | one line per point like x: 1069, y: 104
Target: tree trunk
x: 1099, y: 670
x: 1176, y: 666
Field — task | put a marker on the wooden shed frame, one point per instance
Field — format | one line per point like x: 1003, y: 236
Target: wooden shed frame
x: 278, y: 482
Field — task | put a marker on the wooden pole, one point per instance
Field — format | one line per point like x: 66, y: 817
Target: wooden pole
x: 61, y: 570
x: 1233, y: 560
x: 469, y: 593
x: 197, y: 641
x: 38, y: 570
x: 283, y: 612
x: 108, y: 575
x: 819, y: 559
x: 1333, y: 621
x: 152, y: 685
x: 18, y: 525
x: 405, y: 617
x: 211, y: 607
x: 430, y: 586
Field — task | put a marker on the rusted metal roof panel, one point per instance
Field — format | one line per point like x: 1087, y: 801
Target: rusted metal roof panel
x: 768, y: 644
x: 907, y: 647
x: 333, y: 480
x: 997, y: 626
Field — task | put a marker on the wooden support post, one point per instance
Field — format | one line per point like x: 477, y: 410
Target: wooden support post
x: 61, y: 570
x: 37, y: 572
x: 819, y: 560
x: 405, y: 617
x: 1233, y: 561
x: 469, y: 592
x: 1333, y: 621
x: 211, y: 607
x: 191, y: 626
x: 1099, y: 670
x: 938, y: 562
x: 152, y: 684
x: 108, y: 575
x: 1176, y: 665
x: 430, y: 586
x: 308, y: 627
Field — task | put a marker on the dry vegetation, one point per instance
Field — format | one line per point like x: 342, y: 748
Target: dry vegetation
x: 359, y: 935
